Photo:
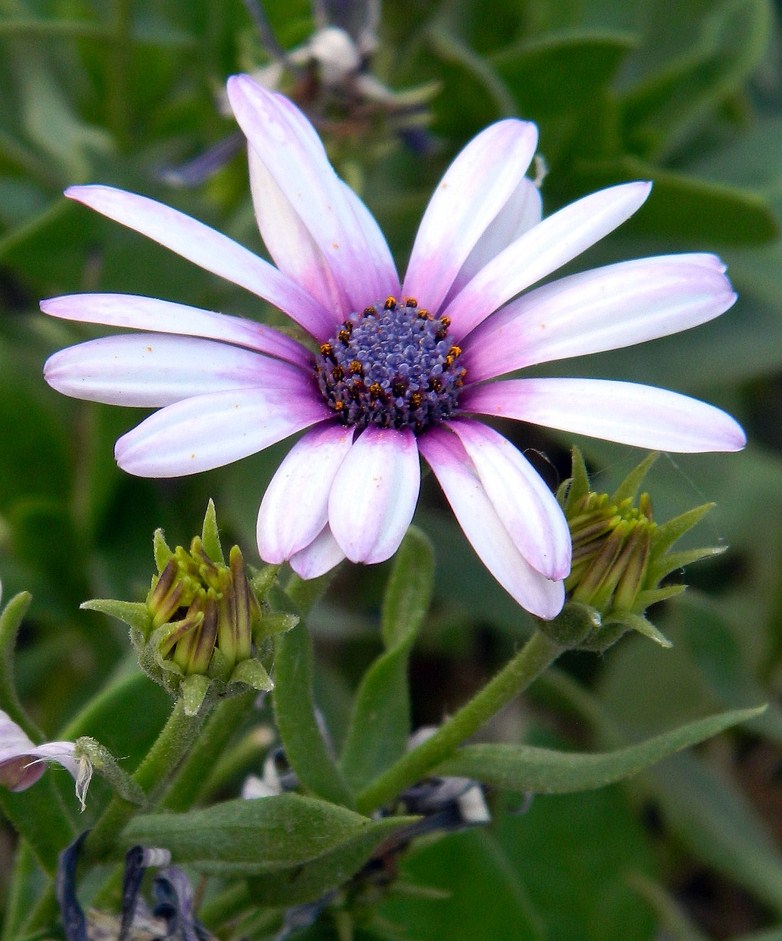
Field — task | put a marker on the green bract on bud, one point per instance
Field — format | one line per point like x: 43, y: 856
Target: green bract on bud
x: 620, y: 557
x: 204, y: 623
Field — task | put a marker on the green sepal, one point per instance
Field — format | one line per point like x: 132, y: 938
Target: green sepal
x: 544, y: 771
x: 380, y: 720
x: 132, y: 613
x: 675, y: 560
x: 193, y: 690
x: 655, y: 595
x: 267, y: 834
x: 262, y: 580
x: 210, y: 535
x: 576, y: 487
x: 640, y: 624
x: 629, y: 487
x: 274, y: 623
x: 10, y: 621
x: 253, y: 674
x: 672, y: 530
x: 161, y: 550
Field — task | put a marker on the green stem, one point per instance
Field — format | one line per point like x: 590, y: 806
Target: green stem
x: 537, y: 654
x: 152, y: 775
x: 191, y: 779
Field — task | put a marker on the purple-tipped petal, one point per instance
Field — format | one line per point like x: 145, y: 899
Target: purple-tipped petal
x: 482, y: 526
x: 148, y: 370
x: 149, y: 313
x: 212, y: 430
x: 604, y: 309
x: 22, y: 762
x: 543, y: 249
x: 476, y: 186
x: 319, y: 557
x: 309, y: 196
x: 294, y: 509
x: 644, y: 416
x: 528, y: 509
x: 208, y: 249
x: 522, y: 212
x: 374, y: 494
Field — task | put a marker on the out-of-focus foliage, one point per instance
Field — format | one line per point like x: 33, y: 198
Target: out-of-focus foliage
x: 688, y: 94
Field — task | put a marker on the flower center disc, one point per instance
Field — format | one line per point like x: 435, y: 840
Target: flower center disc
x: 393, y: 366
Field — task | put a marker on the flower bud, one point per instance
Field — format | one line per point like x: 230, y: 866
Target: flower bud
x: 620, y: 557
x: 202, y: 626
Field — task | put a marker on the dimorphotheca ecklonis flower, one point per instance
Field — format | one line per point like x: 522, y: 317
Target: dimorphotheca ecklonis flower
x: 393, y: 368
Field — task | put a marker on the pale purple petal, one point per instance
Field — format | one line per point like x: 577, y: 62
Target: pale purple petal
x: 212, y: 430
x: 149, y: 313
x: 374, y: 494
x: 22, y: 762
x: 474, y: 189
x: 294, y: 509
x: 541, y: 250
x: 607, y: 308
x: 294, y: 158
x: 528, y: 509
x: 148, y: 370
x: 521, y: 213
x: 319, y: 557
x: 483, y: 527
x: 644, y: 416
x: 207, y: 248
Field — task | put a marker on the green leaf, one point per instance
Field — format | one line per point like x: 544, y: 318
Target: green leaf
x: 380, y: 721
x: 481, y: 896
x: 10, y: 621
x: 294, y: 709
x: 528, y: 768
x: 685, y: 207
x: 584, y: 63
x: 210, y: 535
x: 308, y: 881
x: 133, y: 613
x: 267, y: 834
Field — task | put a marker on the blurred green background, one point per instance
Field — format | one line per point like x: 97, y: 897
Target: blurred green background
x: 686, y: 93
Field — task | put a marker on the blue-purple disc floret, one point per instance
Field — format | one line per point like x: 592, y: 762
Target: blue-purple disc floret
x: 393, y: 365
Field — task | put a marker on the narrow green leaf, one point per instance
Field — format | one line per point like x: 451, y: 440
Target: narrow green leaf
x: 451, y: 49
x: 380, y: 721
x: 528, y: 768
x: 10, y: 621
x: 294, y: 708
x: 304, y: 883
x: 267, y: 834
x: 584, y: 64
x: 409, y: 590
x: 686, y: 207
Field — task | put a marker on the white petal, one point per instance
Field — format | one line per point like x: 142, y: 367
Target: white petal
x: 208, y: 248
x: 22, y: 762
x: 644, y: 416
x: 149, y: 313
x: 152, y: 369
x: 543, y: 249
x: 474, y: 189
x: 520, y: 213
x: 604, y: 309
x: 294, y: 158
x: 212, y: 430
x: 319, y: 557
x: 526, y: 506
x: 374, y: 494
x: 294, y: 508
x: 483, y: 527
